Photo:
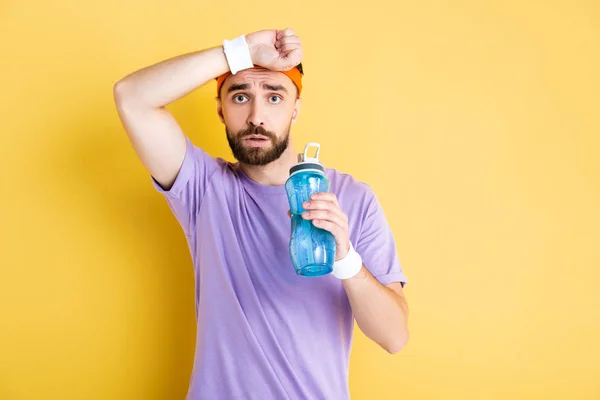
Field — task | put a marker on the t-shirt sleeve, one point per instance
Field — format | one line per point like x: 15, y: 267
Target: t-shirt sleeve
x: 185, y: 195
x: 377, y: 247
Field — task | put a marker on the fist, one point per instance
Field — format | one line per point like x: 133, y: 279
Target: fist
x: 275, y: 50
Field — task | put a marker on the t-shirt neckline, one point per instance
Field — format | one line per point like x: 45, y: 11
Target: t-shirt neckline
x: 258, y: 187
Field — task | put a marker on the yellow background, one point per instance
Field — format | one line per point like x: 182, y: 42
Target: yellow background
x: 477, y: 124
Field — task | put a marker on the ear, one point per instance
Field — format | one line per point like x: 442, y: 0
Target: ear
x: 220, y: 109
x: 296, y: 110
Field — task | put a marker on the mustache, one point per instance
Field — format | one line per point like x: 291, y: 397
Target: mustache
x: 256, y: 130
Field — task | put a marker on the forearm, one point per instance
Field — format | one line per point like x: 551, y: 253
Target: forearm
x: 380, y: 312
x: 161, y: 84
x: 141, y: 96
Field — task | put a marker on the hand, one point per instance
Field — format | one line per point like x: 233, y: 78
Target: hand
x: 274, y: 49
x: 325, y: 213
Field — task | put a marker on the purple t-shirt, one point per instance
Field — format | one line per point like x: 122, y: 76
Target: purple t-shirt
x: 263, y: 331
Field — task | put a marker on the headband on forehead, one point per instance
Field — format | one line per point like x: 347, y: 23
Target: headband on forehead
x: 294, y: 74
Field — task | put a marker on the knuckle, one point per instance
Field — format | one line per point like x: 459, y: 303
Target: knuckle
x: 288, y: 46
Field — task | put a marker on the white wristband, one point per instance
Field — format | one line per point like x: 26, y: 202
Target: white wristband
x: 237, y: 53
x: 348, y: 266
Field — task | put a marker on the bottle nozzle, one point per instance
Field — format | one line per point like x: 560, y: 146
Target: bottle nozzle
x: 316, y: 157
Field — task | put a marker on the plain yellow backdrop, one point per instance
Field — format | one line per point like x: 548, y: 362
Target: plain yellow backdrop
x: 476, y: 123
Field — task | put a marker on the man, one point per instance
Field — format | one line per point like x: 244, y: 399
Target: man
x: 263, y: 331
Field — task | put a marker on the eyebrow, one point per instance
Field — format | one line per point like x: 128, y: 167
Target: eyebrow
x: 238, y: 86
x: 266, y: 86
x: 274, y: 88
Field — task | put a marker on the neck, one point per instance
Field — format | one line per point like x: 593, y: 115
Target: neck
x: 275, y: 173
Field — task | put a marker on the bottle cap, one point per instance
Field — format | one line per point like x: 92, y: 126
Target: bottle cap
x: 308, y: 163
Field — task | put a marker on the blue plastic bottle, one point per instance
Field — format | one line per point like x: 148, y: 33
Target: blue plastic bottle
x: 312, y: 249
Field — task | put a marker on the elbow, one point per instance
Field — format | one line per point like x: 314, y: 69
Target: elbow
x: 120, y: 92
x: 126, y: 94
x: 398, y: 343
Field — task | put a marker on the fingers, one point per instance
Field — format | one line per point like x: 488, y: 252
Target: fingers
x: 290, y: 48
x: 325, y: 196
x: 325, y: 212
x: 331, y: 222
x: 292, y: 59
x: 288, y: 44
x: 322, y: 205
x: 325, y: 215
x: 327, y: 203
x: 335, y: 229
x: 285, y: 32
x: 287, y: 41
x: 287, y: 47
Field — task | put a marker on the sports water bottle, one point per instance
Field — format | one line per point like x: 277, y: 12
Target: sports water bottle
x: 312, y: 249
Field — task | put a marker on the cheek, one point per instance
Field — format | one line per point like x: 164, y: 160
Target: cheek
x: 281, y: 117
x: 234, y: 118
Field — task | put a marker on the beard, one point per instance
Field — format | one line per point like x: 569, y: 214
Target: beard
x: 257, y: 156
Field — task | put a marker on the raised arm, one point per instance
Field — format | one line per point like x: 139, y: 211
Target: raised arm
x: 141, y: 96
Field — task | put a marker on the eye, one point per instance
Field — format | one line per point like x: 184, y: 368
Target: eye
x: 239, y: 98
x: 275, y: 99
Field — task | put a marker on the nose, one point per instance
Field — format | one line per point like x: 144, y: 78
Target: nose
x: 256, y: 116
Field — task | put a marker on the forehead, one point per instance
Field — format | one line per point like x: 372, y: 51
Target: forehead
x: 257, y: 77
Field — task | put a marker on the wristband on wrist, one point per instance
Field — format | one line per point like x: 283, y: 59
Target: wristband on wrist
x: 237, y: 53
x: 348, y: 266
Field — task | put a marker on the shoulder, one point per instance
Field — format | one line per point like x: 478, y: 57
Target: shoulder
x: 350, y: 191
x: 205, y: 159
x: 346, y: 183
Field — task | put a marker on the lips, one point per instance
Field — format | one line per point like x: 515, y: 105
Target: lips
x: 257, y: 141
x: 256, y: 137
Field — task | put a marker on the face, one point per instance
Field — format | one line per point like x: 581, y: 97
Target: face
x: 258, y: 108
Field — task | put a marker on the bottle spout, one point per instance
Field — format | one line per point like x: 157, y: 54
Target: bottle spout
x: 306, y: 162
x: 305, y: 156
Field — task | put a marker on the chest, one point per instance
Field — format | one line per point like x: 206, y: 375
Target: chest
x: 253, y: 232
